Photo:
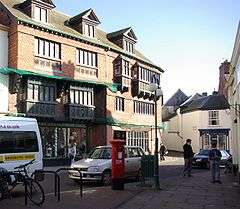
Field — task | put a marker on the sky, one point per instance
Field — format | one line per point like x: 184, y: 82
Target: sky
x: 189, y: 39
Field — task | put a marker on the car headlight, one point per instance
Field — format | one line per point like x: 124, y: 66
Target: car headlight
x: 93, y: 169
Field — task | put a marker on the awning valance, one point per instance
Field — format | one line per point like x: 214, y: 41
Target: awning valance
x: 214, y: 132
x: 6, y: 70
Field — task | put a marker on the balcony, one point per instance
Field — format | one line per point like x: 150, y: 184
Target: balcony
x: 141, y: 88
x: 43, y: 64
x: 80, y: 112
x: 124, y: 81
x: 40, y: 109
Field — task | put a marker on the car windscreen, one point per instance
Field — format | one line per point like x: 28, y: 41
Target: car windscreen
x: 204, y: 152
x: 101, y: 153
x: 18, y: 142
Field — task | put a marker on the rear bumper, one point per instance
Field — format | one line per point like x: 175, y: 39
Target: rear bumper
x: 86, y: 176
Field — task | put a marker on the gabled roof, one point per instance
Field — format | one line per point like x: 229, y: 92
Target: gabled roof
x: 128, y: 32
x: 177, y: 99
x: 212, y: 102
x: 87, y: 15
x: 27, y: 2
x: 58, y: 26
x: 190, y: 99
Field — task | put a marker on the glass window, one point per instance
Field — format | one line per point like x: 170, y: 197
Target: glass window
x: 47, y: 48
x: 213, y: 118
x: 133, y: 152
x: 86, y: 58
x: 18, y: 142
x: 119, y: 104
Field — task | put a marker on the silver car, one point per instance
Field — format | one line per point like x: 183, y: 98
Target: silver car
x: 97, y: 167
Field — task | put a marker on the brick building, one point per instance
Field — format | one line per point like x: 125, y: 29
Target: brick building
x: 80, y: 82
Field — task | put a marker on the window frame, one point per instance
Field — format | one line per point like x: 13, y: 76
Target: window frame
x: 51, y: 52
x: 86, y: 58
x: 119, y: 104
x: 213, y: 115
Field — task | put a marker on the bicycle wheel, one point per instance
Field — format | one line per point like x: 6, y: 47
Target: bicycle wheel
x: 35, y: 192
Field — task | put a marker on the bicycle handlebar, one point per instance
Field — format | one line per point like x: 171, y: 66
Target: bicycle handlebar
x: 25, y: 165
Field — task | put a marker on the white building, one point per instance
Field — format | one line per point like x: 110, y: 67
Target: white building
x: 201, y: 118
x: 233, y: 87
x: 3, y: 63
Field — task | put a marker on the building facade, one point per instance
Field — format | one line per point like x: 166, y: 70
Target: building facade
x: 233, y: 87
x: 3, y: 63
x: 201, y: 118
x: 81, y: 83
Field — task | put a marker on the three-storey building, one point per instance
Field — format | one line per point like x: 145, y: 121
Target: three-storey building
x: 81, y: 83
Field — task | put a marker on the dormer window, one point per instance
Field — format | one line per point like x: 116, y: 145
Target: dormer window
x: 89, y: 31
x: 85, y: 23
x: 37, y: 9
x: 40, y: 14
x: 128, y: 46
x: 125, y: 38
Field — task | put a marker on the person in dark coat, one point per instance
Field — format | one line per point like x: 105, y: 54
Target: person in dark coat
x: 215, y: 157
x: 188, y: 156
x: 163, y: 150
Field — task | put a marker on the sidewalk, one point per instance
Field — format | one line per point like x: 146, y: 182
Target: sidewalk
x: 195, y: 192
x: 178, y: 193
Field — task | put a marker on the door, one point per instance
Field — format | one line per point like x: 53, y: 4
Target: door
x: 133, y: 161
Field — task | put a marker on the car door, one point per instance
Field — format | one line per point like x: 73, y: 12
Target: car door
x: 134, y: 160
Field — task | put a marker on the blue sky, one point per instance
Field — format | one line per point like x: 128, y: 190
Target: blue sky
x: 187, y: 38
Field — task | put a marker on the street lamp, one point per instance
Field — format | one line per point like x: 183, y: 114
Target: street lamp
x: 154, y: 87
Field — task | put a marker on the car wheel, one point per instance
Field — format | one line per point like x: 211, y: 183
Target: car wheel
x: 106, y: 178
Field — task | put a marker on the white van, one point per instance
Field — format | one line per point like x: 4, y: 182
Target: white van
x: 20, y: 142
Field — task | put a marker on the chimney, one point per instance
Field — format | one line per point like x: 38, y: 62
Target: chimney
x: 204, y: 94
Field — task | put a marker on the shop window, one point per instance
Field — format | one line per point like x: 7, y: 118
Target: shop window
x: 56, y: 141
x: 140, y: 139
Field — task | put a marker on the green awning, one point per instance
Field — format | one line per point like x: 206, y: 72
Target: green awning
x: 6, y: 70
x: 114, y: 122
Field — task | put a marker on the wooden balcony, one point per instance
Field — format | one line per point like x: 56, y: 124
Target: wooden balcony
x: 124, y: 81
x: 79, y: 112
x: 141, y: 88
x: 40, y: 109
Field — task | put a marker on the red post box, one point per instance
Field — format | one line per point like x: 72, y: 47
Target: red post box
x: 118, y: 165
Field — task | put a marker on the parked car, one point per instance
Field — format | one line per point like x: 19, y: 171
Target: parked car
x: 201, y: 159
x: 97, y: 167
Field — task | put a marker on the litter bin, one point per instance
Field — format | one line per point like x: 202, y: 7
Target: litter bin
x: 147, y: 166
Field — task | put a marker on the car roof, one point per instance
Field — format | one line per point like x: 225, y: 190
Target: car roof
x: 23, y: 119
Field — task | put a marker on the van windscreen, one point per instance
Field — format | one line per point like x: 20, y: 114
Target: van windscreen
x: 18, y: 142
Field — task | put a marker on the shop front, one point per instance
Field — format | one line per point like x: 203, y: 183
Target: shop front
x: 56, y: 139
x: 219, y: 136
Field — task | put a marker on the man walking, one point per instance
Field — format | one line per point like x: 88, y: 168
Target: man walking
x: 163, y: 151
x: 188, y: 155
x: 215, y: 157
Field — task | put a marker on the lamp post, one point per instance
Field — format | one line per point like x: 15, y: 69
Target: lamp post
x: 154, y: 87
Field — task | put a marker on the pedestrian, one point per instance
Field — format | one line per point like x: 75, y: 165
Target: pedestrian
x: 215, y: 157
x: 188, y: 155
x: 72, y: 150
x: 163, y: 151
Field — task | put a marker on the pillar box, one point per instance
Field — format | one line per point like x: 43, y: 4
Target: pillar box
x: 118, y: 164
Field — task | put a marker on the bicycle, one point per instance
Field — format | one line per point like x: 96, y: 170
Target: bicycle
x: 33, y: 190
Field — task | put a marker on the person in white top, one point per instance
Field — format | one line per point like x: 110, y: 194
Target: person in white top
x: 72, y: 150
